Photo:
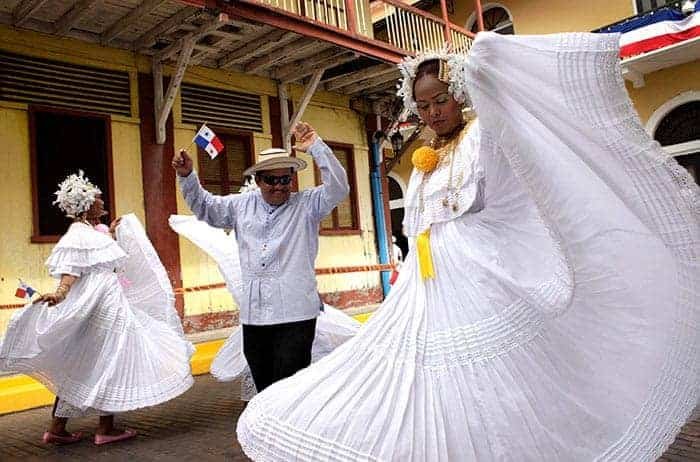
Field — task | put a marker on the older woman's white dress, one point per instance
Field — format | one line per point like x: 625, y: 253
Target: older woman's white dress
x: 110, y: 346
x: 562, y: 322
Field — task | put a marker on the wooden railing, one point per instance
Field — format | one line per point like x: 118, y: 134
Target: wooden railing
x: 394, y: 22
x: 329, y: 12
x: 414, y: 30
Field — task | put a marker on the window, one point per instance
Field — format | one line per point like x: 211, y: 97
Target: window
x: 496, y: 19
x: 46, y: 82
x: 647, y: 5
x: 344, y: 218
x: 221, y: 108
x: 680, y: 125
x: 224, y: 174
x: 679, y: 133
x: 63, y: 142
x: 396, y: 193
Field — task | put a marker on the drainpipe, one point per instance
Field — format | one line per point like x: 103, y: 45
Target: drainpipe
x: 378, y: 202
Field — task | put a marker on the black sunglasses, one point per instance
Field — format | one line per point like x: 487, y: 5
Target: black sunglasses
x: 273, y: 180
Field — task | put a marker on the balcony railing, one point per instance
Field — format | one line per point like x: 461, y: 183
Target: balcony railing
x: 394, y: 22
x: 329, y: 12
x: 414, y: 30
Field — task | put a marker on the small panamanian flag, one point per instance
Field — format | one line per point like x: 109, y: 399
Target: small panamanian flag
x: 24, y: 290
x: 207, y: 140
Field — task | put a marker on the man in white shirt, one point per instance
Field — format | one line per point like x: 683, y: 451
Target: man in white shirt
x: 277, y: 233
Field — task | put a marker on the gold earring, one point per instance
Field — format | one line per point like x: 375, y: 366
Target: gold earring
x: 443, y: 72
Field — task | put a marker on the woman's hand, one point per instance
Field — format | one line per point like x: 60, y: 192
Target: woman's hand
x: 67, y: 281
x: 113, y: 225
x: 305, y: 135
x: 52, y: 299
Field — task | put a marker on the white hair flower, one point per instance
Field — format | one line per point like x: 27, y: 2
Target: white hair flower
x: 457, y: 65
x: 76, y: 194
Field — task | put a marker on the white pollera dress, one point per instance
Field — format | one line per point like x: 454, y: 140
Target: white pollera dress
x: 109, y: 346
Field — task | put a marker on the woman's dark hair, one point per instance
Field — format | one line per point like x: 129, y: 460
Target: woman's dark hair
x: 429, y: 67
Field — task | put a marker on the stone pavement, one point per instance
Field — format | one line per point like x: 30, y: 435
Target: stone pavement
x: 199, y: 425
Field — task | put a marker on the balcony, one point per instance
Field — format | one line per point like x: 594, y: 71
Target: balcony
x: 396, y: 23
x: 286, y: 40
x: 345, y: 46
x: 658, y: 39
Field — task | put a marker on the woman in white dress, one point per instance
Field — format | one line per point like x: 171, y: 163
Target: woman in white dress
x: 548, y: 308
x: 108, y: 340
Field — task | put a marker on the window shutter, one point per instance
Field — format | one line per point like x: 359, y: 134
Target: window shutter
x: 32, y: 80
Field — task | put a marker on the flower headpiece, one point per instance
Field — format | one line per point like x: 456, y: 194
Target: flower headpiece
x: 76, y: 194
x: 452, y: 64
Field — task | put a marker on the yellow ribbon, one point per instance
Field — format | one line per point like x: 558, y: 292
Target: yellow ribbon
x: 425, y: 258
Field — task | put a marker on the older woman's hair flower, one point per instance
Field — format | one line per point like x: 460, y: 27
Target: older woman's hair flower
x: 76, y: 194
x: 425, y: 159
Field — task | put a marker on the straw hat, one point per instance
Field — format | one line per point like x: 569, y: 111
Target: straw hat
x: 275, y: 158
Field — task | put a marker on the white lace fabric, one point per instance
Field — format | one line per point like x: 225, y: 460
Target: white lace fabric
x: 81, y: 250
x: 66, y: 410
x: 454, y: 188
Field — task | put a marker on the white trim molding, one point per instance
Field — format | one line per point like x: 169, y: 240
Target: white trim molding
x: 487, y: 6
x: 397, y: 203
x: 682, y: 149
x: 663, y: 110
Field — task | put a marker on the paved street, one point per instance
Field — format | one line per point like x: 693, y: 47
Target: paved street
x: 200, y: 425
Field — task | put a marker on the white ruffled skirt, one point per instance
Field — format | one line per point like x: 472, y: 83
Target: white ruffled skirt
x: 463, y: 367
x: 106, y: 347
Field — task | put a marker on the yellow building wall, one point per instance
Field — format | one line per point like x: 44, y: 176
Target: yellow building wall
x: 18, y: 258
x: 549, y: 16
x: 662, y: 86
x: 342, y: 125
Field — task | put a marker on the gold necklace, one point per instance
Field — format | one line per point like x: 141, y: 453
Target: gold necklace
x: 442, y: 141
x: 445, y: 147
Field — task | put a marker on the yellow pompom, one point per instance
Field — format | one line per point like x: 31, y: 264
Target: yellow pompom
x: 425, y: 159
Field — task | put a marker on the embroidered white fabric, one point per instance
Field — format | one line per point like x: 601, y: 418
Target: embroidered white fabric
x: 104, y: 348
x: 562, y: 323
x: 429, y: 199
x: 64, y: 409
x: 78, y: 252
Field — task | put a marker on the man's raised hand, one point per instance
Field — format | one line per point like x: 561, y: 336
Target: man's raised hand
x: 305, y: 135
x: 182, y: 163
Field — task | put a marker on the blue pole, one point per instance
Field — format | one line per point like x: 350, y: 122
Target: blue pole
x: 379, y: 220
